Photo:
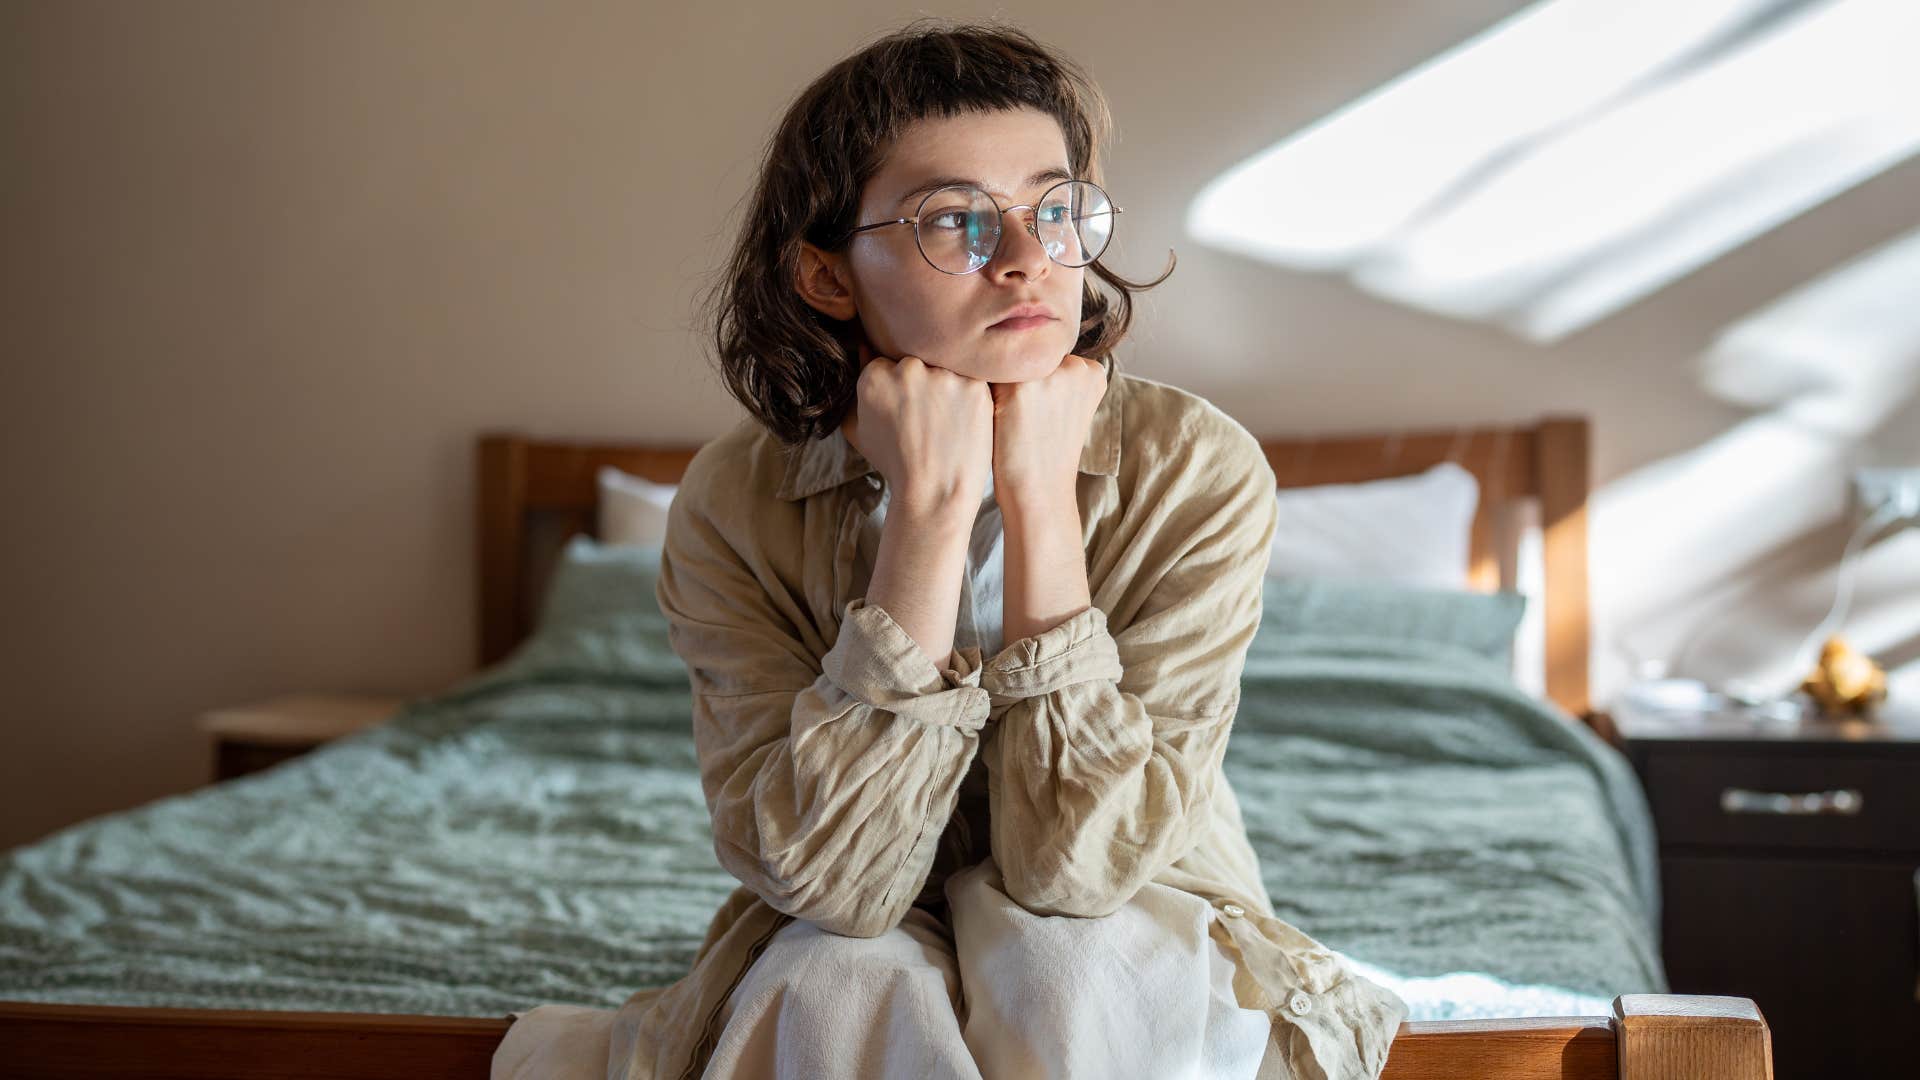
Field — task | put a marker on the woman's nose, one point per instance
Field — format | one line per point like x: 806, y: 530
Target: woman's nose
x: 1020, y: 247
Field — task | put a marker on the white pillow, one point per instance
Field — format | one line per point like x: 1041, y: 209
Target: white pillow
x: 633, y: 509
x: 1416, y: 530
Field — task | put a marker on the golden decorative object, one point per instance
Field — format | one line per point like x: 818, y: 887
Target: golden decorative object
x: 1845, y: 682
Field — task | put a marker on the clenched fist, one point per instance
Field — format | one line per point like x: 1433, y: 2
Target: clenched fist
x: 1039, y: 428
x: 929, y: 431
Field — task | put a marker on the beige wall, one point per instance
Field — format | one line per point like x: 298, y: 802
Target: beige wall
x: 270, y: 266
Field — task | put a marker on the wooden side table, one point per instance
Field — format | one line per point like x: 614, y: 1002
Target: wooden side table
x: 1790, y: 874
x: 248, y: 738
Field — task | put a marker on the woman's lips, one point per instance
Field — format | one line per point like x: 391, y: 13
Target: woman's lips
x: 1025, y: 323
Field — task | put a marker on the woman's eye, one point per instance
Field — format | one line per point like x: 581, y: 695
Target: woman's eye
x: 950, y: 219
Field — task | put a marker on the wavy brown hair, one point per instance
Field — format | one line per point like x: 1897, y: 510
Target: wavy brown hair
x: 797, y: 370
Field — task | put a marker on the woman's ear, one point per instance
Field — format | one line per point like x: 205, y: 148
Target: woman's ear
x: 822, y: 284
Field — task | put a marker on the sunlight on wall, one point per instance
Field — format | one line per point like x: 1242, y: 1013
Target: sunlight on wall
x: 1830, y: 364
x: 1581, y: 155
x: 1324, y: 198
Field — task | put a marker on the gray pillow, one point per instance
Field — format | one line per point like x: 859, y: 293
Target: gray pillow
x: 593, y: 581
x: 1332, y: 607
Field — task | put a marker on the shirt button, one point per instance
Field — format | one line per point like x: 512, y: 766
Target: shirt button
x: 1232, y: 911
x: 1299, y: 1003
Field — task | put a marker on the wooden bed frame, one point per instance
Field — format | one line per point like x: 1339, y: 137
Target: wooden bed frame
x: 535, y: 493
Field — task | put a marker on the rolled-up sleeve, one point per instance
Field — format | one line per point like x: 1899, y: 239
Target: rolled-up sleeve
x: 1103, y: 764
x: 828, y: 785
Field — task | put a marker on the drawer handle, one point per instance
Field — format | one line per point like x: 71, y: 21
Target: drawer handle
x: 1741, y: 801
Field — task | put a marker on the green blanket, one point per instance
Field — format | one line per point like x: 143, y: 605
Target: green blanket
x: 537, y: 834
x: 1412, y: 807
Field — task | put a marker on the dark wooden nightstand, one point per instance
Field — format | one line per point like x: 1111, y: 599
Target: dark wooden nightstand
x: 1789, y: 856
x: 249, y: 738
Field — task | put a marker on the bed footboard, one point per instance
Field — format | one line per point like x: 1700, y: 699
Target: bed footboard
x: 1648, y: 1037
x: 38, y: 1040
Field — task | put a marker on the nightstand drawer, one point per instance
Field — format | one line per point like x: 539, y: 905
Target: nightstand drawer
x: 1827, y: 947
x: 1810, y: 800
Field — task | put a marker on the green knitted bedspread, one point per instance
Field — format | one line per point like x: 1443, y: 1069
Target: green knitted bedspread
x: 537, y: 834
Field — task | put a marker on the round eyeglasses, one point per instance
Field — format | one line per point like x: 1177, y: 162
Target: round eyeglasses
x: 958, y: 228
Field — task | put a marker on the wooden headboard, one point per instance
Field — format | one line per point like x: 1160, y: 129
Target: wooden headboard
x: 535, y: 493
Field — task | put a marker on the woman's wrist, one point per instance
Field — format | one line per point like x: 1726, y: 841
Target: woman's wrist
x: 1021, y: 502
x: 916, y: 574
x: 1046, y: 568
x: 944, y: 511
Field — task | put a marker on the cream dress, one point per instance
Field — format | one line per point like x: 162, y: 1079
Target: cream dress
x: 994, y: 992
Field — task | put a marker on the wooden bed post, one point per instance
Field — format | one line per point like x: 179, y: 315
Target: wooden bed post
x: 1691, y: 1037
x: 1561, y: 449
x: 502, y: 483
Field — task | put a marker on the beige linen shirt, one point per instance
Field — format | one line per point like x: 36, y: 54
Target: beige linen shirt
x: 848, y: 776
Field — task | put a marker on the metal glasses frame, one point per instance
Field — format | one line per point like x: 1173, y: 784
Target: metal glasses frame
x: 1033, y: 228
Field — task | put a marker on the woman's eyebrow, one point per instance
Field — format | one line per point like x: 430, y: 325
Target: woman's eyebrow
x: 1051, y: 172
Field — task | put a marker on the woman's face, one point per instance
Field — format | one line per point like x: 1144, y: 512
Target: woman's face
x: 906, y: 307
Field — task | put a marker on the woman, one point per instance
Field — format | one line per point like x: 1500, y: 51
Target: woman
x: 965, y: 613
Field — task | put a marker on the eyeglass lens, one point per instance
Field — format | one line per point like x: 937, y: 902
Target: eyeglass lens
x: 959, y: 227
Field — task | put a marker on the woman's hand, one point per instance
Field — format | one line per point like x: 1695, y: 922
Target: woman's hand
x: 1039, y: 429
x: 927, y: 429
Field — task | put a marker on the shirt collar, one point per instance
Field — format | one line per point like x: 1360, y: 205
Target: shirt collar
x: 818, y: 464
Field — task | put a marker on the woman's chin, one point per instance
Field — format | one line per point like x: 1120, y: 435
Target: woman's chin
x: 997, y: 361
x: 1022, y: 364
